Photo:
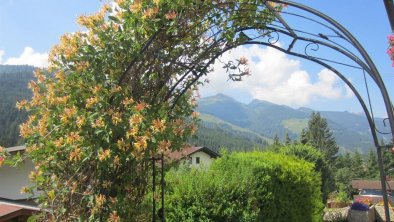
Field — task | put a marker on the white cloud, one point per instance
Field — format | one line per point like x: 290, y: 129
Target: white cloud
x: 28, y: 57
x: 275, y: 78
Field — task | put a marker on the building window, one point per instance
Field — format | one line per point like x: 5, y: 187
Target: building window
x: 197, y: 160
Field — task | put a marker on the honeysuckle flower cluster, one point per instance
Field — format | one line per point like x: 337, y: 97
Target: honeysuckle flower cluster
x: 120, y: 92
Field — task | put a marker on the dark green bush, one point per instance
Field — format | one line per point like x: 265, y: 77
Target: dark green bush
x: 256, y: 186
x: 312, y: 155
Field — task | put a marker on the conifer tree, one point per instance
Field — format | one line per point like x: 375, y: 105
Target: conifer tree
x: 287, y: 139
x: 319, y: 136
x: 358, y: 168
x: 277, y: 141
x: 372, y: 165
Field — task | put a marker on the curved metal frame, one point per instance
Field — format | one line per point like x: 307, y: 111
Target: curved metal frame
x: 321, y: 40
x: 365, y: 63
x: 339, y: 40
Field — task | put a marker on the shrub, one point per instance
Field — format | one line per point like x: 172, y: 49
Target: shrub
x: 312, y: 155
x: 256, y: 186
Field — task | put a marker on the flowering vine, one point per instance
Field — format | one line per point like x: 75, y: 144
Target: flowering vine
x: 390, y: 50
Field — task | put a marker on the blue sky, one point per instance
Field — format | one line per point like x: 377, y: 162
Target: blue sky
x: 29, y: 28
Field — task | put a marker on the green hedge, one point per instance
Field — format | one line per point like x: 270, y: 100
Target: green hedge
x: 255, y: 186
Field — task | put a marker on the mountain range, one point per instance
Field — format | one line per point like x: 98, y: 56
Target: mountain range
x: 265, y: 120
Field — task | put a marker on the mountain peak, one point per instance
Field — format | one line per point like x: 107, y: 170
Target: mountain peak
x: 218, y: 97
x: 257, y: 102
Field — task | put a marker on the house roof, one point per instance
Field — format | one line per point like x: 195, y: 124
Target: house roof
x: 15, y: 149
x: 10, y: 210
x: 371, y: 184
x: 190, y: 150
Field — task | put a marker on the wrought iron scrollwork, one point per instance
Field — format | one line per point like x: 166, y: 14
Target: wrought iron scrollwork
x: 313, y: 46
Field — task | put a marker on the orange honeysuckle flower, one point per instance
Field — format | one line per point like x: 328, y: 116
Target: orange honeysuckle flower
x: 25, y: 130
x: 127, y: 101
x: 80, y: 121
x: 34, y: 86
x: 68, y: 113
x: 170, y: 15
x: 158, y: 125
x: 21, y: 104
x: 104, y: 154
x: 24, y: 190
x: 59, y: 142
x: 136, y: 6
x: 73, y: 137
x: 122, y: 144
x: 195, y: 114
x: 75, y: 155
x: 135, y: 119
x: 61, y: 100
x: 91, y: 102
x: 132, y: 132
x: 114, y: 217
x: 164, y: 146
x: 141, y: 143
x: 39, y: 75
x: 141, y: 106
x: 60, y: 75
x: 97, y: 89
x: 98, y: 123
x: 116, y: 118
x: 100, y: 199
x: 150, y: 12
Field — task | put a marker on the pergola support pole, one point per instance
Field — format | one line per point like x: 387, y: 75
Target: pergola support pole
x: 383, y: 182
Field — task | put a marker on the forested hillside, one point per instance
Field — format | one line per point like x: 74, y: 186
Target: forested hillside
x: 351, y: 131
x: 13, y: 87
x: 215, y: 133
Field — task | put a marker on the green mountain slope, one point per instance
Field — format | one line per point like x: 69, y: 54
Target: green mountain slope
x: 13, y: 88
x: 264, y: 118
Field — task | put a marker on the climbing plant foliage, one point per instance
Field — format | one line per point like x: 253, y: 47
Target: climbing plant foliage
x: 120, y: 91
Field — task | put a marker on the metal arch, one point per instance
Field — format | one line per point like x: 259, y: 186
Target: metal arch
x: 368, y: 66
x: 339, y: 74
x: 194, y: 70
x: 374, y: 73
x: 363, y: 63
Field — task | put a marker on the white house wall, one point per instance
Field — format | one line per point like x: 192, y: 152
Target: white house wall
x: 12, y: 180
x: 205, y: 159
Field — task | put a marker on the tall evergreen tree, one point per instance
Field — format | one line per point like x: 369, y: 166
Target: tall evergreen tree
x: 287, y: 139
x: 277, y: 141
x: 319, y: 136
x: 303, y: 137
x: 372, y: 165
x: 358, y: 168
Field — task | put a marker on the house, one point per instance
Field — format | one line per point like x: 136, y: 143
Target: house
x: 372, y: 189
x: 15, y: 206
x: 195, y: 156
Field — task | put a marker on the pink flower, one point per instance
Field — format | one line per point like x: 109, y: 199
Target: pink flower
x: 390, y: 50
